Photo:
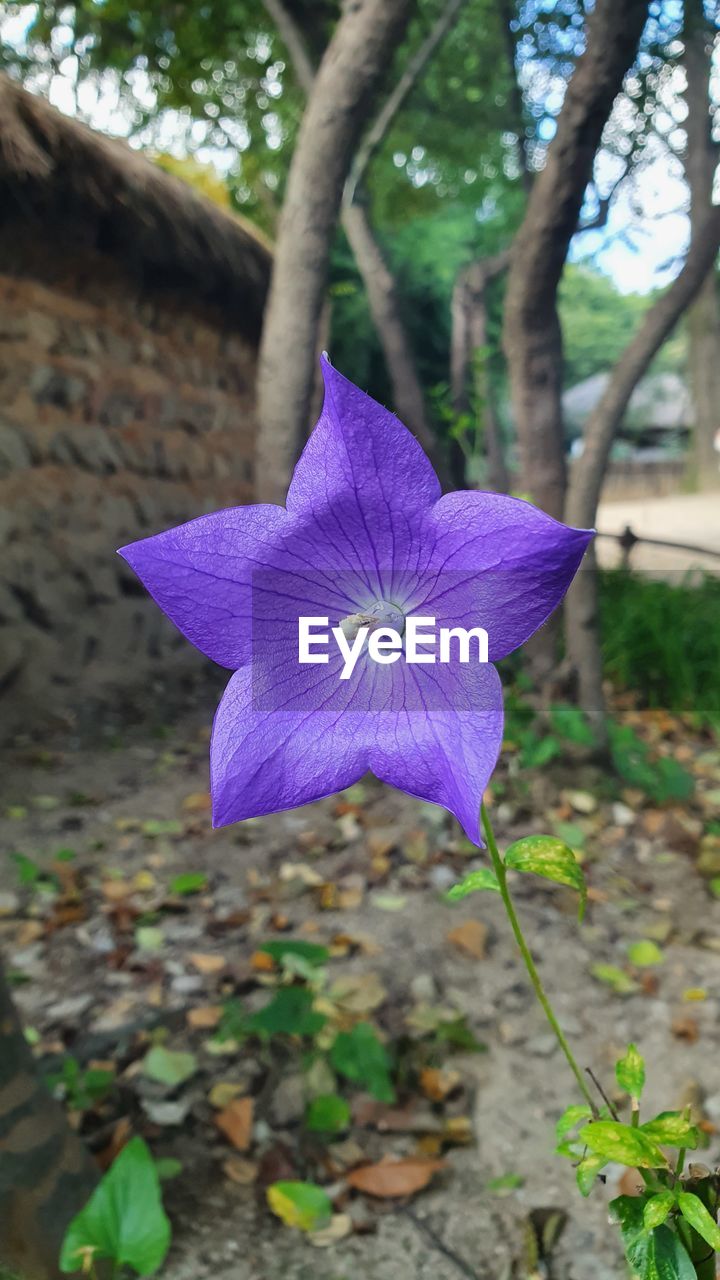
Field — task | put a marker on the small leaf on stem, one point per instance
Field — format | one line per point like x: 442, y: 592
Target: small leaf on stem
x: 548, y: 857
x: 630, y: 1072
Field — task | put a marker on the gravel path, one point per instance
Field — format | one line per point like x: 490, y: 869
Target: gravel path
x: 643, y: 884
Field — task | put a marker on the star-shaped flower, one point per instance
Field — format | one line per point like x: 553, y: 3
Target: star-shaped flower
x: 366, y: 541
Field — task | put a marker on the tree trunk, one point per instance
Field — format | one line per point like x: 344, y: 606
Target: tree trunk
x: 589, y: 469
x: 469, y: 335
x: 532, y: 336
x: 381, y: 289
x: 479, y: 278
x: 46, y: 1175
x: 701, y: 158
x: 360, y: 51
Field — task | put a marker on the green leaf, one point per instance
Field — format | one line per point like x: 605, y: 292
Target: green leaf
x: 548, y: 857
x: 312, y: 952
x: 693, y: 1211
x: 168, y: 1167
x: 124, y: 1219
x: 359, y: 1056
x: 672, y: 1129
x: 570, y: 723
x: 657, y: 1209
x: 189, y: 882
x: 587, y: 1171
x: 505, y: 1182
x: 536, y: 752
x: 623, y: 1144
x: 570, y: 1117
x: 290, y: 1013
x: 474, y: 881
x: 653, y: 1255
x: 155, y: 827
x: 456, y: 1032
x: 645, y: 953
x: 620, y: 981
x: 328, y: 1113
x: 169, y: 1067
x: 300, y: 1204
x: 630, y: 1072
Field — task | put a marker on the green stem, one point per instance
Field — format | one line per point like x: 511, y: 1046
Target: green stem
x: 501, y: 874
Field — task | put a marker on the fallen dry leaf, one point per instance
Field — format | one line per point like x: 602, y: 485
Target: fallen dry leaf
x: 235, y: 1122
x: 223, y: 1093
x: 340, y: 1226
x: 393, y: 1179
x: 685, y: 1027
x: 197, y: 802
x: 436, y: 1082
x: 121, y: 1135
x: 206, y: 962
x: 244, y: 1172
x: 358, y: 993
x: 116, y: 890
x: 205, y: 1017
x: 470, y: 937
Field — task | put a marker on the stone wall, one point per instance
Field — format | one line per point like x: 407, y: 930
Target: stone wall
x: 123, y: 410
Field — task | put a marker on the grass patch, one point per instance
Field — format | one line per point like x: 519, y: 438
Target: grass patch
x: 663, y: 640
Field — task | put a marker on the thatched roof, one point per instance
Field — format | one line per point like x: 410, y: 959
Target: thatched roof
x: 661, y: 401
x: 73, y: 181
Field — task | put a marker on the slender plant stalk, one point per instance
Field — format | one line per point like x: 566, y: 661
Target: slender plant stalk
x: 501, y: 874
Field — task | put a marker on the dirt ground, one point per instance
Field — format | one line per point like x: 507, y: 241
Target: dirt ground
x: 644, y: 884
x: 691, y: 518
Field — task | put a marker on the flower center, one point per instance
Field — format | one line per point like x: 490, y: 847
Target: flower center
x: 381, y: 613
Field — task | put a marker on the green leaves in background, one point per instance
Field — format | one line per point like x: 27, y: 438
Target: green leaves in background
x: 662, y: 779
x: 359, y: 1056
x: 571, y: 723
x: 189, y: 882
x: 617, y: 979
x: 124, y: 1219
x: 311, y: 952
x: 474, y: 882
x: 645, y: 953
x: 653, y: 1255
x: 623, y: 1144
x: 630, y: 1072
x: 328, y: 1114
x: 300, y: 1204
x: 548, y: 857
x: 169, y: 1067
x: 290, y: 1012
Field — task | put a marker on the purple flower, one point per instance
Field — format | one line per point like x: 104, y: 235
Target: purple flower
x: 367, y: 542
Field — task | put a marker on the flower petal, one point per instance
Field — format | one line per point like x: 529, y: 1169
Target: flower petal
x: 499, y: 563
x: 444, y: 744
x: 201, y: 575
x: 263, y: 761
x: 363, y: 476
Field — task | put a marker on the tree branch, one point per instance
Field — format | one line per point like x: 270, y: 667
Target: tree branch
x: 516, y: 96
x: 294, y: 42
x: 404, y: 87
x: 660, y: 320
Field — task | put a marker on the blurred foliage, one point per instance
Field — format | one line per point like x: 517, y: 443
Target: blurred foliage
x: 599, y: 322
x: 663, y: 639
x: 210, y: 80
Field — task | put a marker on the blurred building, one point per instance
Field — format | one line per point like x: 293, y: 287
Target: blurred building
x: 130, y: 313
x: 650, y: 450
